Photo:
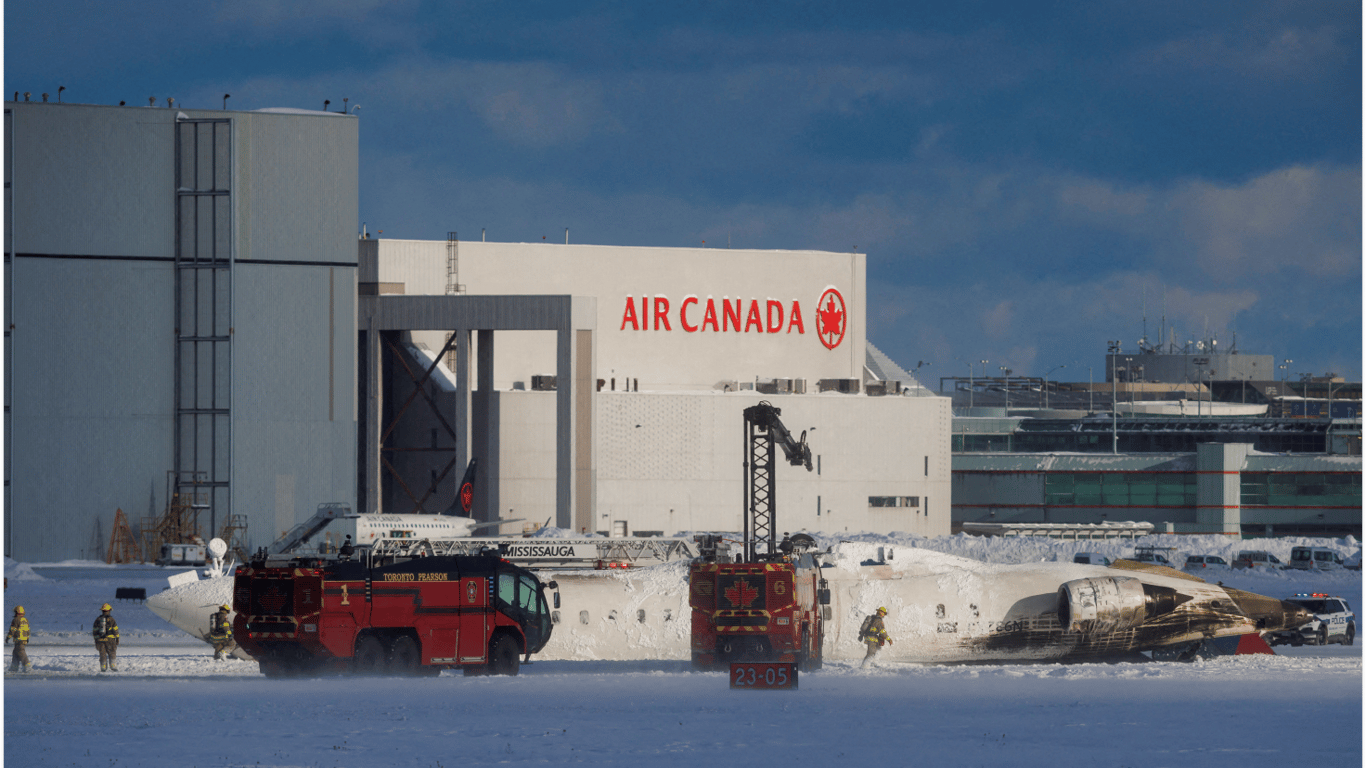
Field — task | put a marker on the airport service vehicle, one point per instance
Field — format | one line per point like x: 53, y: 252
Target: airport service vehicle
x: 183, y: 554
x: 1315, y: 559
x: 1257, y: 559
x: 1198, y: 562
x: 387, y: 614
x: 1152, y: 555
x: 1091, y: 558
x: 1333, y: 622
x: 766, y: 606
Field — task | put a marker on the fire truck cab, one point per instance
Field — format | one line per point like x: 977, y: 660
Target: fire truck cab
x: 390, y: 615
x: 765, y: 611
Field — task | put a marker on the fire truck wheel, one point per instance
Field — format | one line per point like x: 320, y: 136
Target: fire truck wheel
x: 804, y: 652
x: 503, y: 656
x: 369, y: 658
x: 405, y: 658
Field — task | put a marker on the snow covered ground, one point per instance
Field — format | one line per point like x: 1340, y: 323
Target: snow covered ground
x: 171, y: 705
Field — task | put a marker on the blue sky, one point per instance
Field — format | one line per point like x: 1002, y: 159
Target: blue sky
x: 1024, y: 177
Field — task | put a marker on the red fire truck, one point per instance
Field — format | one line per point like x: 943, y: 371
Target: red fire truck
x: 382, y: 614
x: 769, y: 605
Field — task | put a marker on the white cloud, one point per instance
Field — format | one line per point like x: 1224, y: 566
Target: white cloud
x: 1296, y: 221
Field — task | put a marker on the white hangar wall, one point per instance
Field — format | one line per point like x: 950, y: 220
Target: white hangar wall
x: 654, y: 326
x: 670, y: 462
x: 91, y: 223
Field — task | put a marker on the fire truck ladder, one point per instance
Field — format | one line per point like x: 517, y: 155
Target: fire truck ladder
x: 587, y: 553
x: 763, y: 428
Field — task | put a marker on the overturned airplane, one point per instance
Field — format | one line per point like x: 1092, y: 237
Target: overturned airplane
x: 943, y: 609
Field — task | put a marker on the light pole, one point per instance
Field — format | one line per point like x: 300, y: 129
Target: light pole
x: 984, y: 368
x: 1045, y: 385
x: 1284, y: 373
x: 1006, y: 373
x: 1113, y: 349
x: 1091, y: 388
x: 969, y: 386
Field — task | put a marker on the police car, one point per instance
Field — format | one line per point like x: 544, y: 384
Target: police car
x: 1333, y: 622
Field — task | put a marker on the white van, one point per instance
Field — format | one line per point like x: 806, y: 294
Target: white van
x: 1090, y: 558
x: 1315, y: 559
x: 1256, y: 559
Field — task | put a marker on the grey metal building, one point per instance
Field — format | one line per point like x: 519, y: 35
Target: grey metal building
x: 180, y: 320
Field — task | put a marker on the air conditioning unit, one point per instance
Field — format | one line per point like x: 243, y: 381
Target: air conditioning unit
x: 880, y: 388
x: 846, y: 386
x: 543, y: 383
x: 774, y: 387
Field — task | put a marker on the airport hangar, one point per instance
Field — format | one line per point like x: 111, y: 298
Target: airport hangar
x: 191, y: 316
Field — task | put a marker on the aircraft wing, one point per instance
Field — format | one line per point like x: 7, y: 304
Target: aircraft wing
x: 495, y: 523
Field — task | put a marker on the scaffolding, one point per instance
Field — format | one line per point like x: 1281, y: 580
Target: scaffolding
x: 187, y: 497
x: 123, y: 547
x: 234, y: 534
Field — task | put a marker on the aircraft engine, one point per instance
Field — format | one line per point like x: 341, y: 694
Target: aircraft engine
x: 1108, y: 604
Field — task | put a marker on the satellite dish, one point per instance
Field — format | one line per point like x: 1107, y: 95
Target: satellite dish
x: 217, y: 547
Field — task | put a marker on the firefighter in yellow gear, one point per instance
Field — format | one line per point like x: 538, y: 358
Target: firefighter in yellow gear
x: 106, y: 632
x: 874, y: 635
x: 220, y: 633
x: 18, y: 634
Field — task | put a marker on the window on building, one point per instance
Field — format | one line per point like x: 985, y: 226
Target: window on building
x: 894, y: 501
x: 1120, y: 489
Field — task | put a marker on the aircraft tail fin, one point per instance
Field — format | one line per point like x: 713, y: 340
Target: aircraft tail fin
x: 464, y: 495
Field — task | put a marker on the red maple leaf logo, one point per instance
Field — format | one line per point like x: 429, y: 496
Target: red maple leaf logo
x: 272, y: 599
x: 741, y: 594
x: 830, y: 315
x: 466, y: 496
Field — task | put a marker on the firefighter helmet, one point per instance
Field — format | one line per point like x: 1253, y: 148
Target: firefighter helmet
x: 226, y: 607
x: 106, y: 607
x: 881, y: 609
x: 19, y: 609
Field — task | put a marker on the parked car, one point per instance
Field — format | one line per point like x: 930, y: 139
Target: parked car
x: 1091, y: 558
x: 1257, y: 559
x: 1197, y: 562
x: 1315, y: 559
x: 1334, y: 622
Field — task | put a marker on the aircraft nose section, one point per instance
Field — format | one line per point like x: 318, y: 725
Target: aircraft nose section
x: 160, y: 605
